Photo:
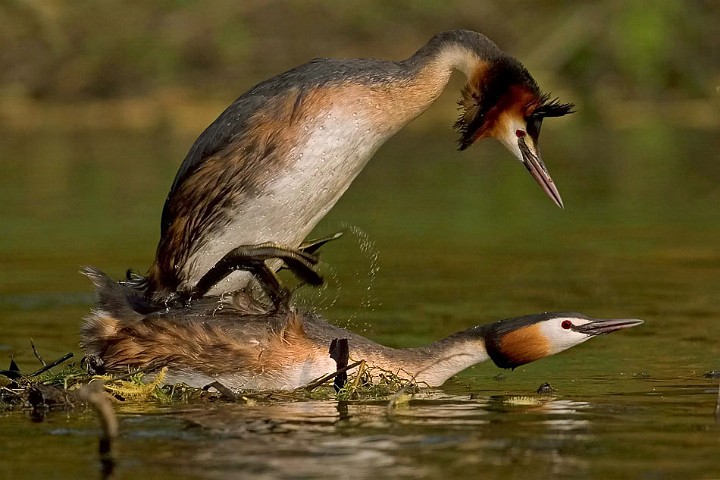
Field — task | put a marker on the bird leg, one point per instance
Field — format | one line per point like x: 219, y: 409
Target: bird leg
x: 312, y: 246
x: 251, y: 258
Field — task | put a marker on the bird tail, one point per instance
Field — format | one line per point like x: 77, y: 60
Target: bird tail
x: 116, y: 305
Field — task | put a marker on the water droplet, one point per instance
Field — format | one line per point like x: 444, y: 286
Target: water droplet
x: 366, y: 277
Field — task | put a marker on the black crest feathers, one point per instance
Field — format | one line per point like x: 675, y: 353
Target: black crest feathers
x: 552, y: 108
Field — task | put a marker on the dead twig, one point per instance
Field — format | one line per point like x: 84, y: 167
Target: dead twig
x: 312, y: 386
x: 402, y: 396
x: 95, y: 395
x: 52, y: 364
x: 360, y: 372
x: 37, y: 354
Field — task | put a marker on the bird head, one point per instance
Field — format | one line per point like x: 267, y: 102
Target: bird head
x: 517, y: 341
x: 501, y: 100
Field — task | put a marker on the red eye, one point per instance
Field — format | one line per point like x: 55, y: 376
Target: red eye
x: 520, y: 133
x: 566, y: 324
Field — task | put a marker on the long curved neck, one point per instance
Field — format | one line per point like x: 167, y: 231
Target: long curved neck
x: 430, y: 69
x: 461, y: 50
x: 432, y: 364
x: 451, y: 355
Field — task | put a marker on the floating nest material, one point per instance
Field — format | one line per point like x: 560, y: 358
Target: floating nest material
x: 56, y: 385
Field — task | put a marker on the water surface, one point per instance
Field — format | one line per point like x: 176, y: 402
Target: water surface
x: 436, y: 241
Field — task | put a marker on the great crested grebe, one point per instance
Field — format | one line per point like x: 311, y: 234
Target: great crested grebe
x: 247, y: 344
x: 280, y: 156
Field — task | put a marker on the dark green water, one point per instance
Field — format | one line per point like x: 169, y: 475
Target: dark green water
x: 460, y: 239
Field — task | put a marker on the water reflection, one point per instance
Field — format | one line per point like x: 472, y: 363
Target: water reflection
x: 432, y: 433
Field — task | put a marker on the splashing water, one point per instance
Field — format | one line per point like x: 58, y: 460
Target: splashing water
x: 366, y: 278
x: 322, y: 298
x: 319, y: 300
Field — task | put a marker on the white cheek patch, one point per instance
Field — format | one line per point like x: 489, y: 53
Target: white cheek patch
x: 506, y: 129
x: 560, y: 338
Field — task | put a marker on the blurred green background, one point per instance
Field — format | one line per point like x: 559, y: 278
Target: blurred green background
x: 100, y: 101
x: 616, y: 59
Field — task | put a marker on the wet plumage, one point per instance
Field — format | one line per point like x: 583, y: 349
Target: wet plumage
x: 248, y: 345
x: 277, y: 159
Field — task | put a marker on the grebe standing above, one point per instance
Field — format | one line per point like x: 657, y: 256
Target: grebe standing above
x: 277, y: 159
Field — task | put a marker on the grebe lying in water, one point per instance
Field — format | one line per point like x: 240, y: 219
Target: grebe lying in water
x: 244, y: 343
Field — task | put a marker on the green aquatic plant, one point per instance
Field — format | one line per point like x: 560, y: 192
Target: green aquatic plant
x: 134, y: 387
